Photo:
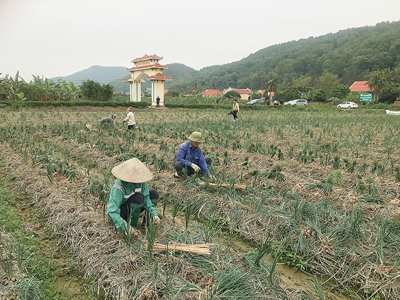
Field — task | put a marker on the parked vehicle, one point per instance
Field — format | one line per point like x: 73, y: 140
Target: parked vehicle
x: 297, y: 102
x: 260, y: 101
x: 347, y: 105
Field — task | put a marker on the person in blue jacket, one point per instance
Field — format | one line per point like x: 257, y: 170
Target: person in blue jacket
x: 190, y: 156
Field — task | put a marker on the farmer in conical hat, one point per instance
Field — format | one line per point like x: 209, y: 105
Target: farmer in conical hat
x: 191, y: 157
x: 130, y: 195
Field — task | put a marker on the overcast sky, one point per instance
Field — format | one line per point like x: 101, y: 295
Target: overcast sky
x: 57, y: 38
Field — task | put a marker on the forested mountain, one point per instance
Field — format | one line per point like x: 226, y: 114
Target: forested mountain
x: 176, y: 71
x: 351, y: 54
x: 96, y: 73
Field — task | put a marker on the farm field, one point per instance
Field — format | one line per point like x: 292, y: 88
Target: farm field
x: 321, y: 198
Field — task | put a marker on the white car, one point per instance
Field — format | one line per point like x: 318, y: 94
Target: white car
x: 257, y: 101
x: 347, y: 105
x: 297, y: 102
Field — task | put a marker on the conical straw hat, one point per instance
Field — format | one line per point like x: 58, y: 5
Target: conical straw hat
x: 133, y: 171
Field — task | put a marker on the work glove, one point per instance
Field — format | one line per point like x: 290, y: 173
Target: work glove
x: 156, y: 220
x: 195, y: 167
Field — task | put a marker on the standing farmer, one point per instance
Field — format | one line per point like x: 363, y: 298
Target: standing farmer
x: 190, y: 156
x: 130, y: 195
x: 235, y: 109
x: 158, y: 101
x: 130, y: 118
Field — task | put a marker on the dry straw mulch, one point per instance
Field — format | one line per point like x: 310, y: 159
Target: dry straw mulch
x: 120, y: 271
x: 86, y: 232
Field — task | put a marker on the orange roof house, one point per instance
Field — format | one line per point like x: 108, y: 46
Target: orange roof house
x: 211, y: 93
x: 245, y: 94
x: 360, y: 86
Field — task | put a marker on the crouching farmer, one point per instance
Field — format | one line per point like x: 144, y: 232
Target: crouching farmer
x: 109, y: 121
x: 191, y: 157
x: 130, y: 195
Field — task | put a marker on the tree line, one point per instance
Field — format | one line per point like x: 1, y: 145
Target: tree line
x: 44, y: 89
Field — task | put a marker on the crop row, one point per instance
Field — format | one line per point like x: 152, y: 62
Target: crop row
x: 336, y: 229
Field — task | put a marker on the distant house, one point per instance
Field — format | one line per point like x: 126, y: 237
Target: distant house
x: 211, y: 93
x: 261, y: 92
x: 117, y: 92
x: 245, y: 94
x: 165, y: 91
x: 360, y: 87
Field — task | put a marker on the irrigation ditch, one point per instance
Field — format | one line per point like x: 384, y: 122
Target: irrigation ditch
x: 309, y: 214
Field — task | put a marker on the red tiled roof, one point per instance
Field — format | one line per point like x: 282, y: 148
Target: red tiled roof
x: 211, y: 93
x: 117, y: 92
x: 360, y: 86
x: 159, y: 76
x: 156, y: 65
x: 165, y: 91
x: 146, y: 57
x: 243, y: 91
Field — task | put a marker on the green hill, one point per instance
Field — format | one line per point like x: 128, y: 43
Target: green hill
x: 96, y: 73
x: 351, y: 54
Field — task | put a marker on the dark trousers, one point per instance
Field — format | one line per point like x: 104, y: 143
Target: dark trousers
x: 131, y: 127
x: 190, y: 171
x: 137, y: 199
x: 234, y: 113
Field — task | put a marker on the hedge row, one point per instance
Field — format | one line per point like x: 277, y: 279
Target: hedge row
x: 19, y: 104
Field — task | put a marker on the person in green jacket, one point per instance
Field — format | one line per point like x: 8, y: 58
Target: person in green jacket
x: 130, y: 195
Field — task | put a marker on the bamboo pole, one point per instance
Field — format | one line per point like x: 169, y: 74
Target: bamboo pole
x: 236, y: 186
x: 200, y: 249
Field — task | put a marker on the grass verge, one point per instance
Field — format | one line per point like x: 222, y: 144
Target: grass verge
x: 37, y: 266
